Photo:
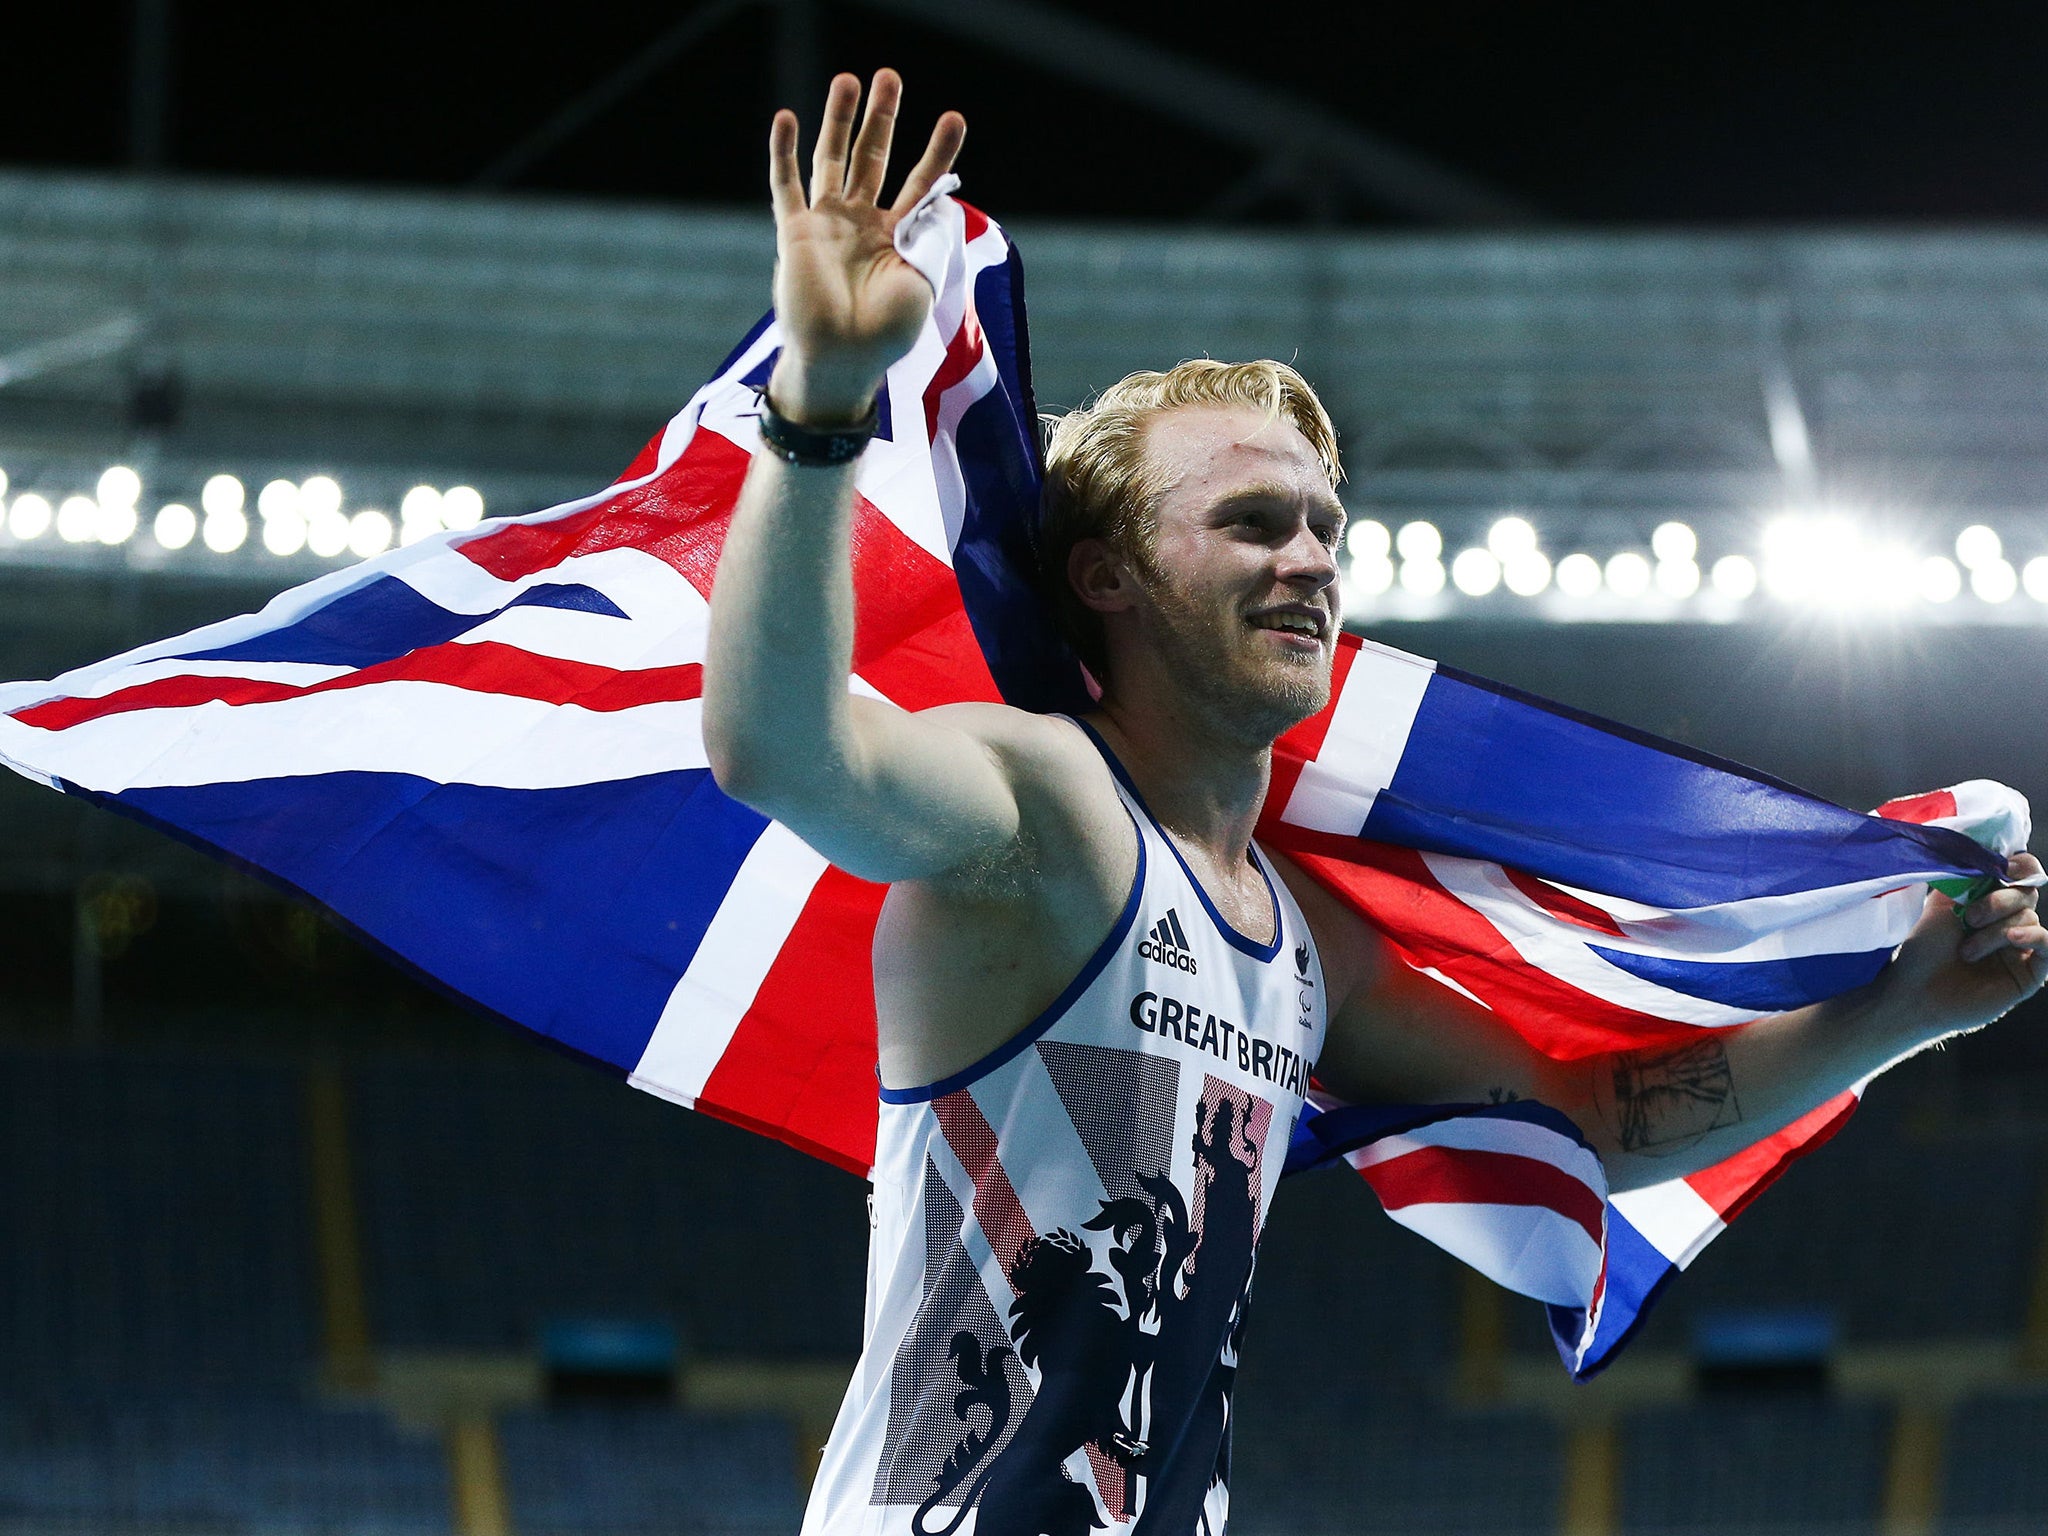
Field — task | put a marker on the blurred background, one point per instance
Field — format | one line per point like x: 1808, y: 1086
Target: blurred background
x: 1690, y: 370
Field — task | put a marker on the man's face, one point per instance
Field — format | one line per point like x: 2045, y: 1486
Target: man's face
x: 1238, y: 581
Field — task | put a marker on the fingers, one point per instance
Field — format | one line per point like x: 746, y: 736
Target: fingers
x: 1997, y: 905
x: 948, y: 133
x: 785, y: 181
x: 828, y: 160
x: 2025, y: 934
x: 870, y: 162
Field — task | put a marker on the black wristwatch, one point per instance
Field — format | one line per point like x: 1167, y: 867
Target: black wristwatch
x: 795, y: 444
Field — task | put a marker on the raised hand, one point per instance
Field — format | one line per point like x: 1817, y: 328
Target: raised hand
x: 1955, y: 975
x: 848, y: 304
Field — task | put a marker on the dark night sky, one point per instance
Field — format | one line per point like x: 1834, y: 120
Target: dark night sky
x: 1659, y: 113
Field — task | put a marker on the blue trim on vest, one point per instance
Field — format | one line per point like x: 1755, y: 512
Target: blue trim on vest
x: 1250, y: 946
x: 1003, y: 1054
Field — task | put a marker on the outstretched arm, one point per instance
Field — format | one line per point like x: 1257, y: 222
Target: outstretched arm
x: 1398, y: 1036
x: 886, y: 794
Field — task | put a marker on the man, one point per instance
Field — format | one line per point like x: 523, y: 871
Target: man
x: 1097, y: 1004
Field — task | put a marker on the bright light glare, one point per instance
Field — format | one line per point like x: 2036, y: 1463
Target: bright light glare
x: 1425, y: 578
x: 319, y: 494
x: 3, y: 482
x: 2035, y: 578
x: 1995, y: 581
x: 175, y: 525
x: 1419, y: 541
x: 1371, y: 576
x: 1476, y: 572
x: 1677, y: 578
x: 1675, y: 544
x: 462, y: 506
x: 1734, y: 576
x: 369, y: 533
x: 1366, y: 540
x: 78, y: 519
x: 1526, y: 574
x: 1940, y: 581
x: 284, y: 533
x: 118, y: 487
x: 1802, y: 554
x: 221, y: 494
x: 1511, y: 536
x: 419, y: 515
x: 1578, y: 575
x: 327, y: 534
x: 1628, y: 574
x: 115, y: 524
x: 280, y: 498
x: 1977, y: 545
x: 223, y: 532
x: 29, y: 517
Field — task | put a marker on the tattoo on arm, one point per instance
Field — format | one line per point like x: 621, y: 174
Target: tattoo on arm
x: 1502, y: 1096
x: 1660, y: 1102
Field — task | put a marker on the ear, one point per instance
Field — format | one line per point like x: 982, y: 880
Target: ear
x: 1100, y: 577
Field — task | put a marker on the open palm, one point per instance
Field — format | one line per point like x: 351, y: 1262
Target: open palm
x: 849, y: 305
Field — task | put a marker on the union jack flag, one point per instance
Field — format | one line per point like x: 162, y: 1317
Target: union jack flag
x: 483, y: 752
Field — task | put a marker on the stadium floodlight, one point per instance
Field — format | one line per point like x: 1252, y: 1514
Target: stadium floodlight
x: 1425, y: 578
x: 1994, y: 581
x: 221, y: 494
x: 1475, y: 572
x: 1735, y: 576
x: 1526, y: 573
x: 29, y: 517
x: 1509, y: 537
x: 1677, y: 578
x: 419, y: 514
x: 1675, y: 544
x: 462, y: 506
x: 115, y: 523
x: 3, y: 482
x: 1890, y: 576
x: 319, y: 494
x: 224, y: 532
x: 369, y: 533
x: 327, y: 534
x: 284, y: 533
x: 280, y: 498
x: 78, y: 519
x: 2035, y: 578
x: 175, y: 525
x: 1628, y: 574
x: 119, y: 486
x: 1370, y: 576
x: 1578, y: 575
x: 1940, y: 581
x: 1368, y: 540
x: 1977, y: 545
x: 1419, y: 541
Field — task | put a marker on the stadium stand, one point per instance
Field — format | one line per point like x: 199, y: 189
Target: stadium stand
x: 1997, y: 1481
x: 1789, y: 1464
x: 601, y: 1469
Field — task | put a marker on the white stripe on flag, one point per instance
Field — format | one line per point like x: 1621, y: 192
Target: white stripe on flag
x: 1673, y: 1216
x: 1530, y: 1249
x: 1491, y: 1133
x: 1368, y: 733
x: 765, y: 900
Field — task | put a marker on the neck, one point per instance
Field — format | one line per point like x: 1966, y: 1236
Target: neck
x: 1203, y: 781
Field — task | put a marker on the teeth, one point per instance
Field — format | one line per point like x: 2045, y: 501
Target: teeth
x: 1292, y: 623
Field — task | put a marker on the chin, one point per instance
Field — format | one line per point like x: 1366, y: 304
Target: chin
x: 1269, y: 701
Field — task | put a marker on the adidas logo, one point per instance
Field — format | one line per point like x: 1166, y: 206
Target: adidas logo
x: 1168, y: 944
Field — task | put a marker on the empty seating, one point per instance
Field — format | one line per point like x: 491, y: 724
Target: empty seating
x: 1771, y: 1463
x: 1997, y: 1479
x: 622, y: 1470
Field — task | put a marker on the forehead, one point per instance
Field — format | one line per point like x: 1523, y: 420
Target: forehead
x: 1205, y: 453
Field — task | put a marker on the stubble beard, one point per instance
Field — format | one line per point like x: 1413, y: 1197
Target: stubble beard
x: 1246, y: 688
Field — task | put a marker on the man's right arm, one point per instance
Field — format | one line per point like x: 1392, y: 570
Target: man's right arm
x: 884, y: 793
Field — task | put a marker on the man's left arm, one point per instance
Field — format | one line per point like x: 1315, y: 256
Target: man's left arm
x: 1397, y: 1036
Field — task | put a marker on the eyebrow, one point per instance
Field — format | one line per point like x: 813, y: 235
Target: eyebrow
x: 1274, y: 490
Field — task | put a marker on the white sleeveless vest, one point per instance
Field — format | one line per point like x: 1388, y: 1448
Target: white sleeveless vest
x: 1064, y: 1238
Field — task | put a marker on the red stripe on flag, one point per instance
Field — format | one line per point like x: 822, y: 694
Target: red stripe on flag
x: 962, y: 353
x: 1466, y: 1176
x: 484, y: 667
x: 801, y: 1064
x: 996, y: 1206
x: 1393, y: 890
x: 1731, y: 1184
x: 1936, y: 806
x: 1562, y: 904
x: 976, y: 222
x: 1298, y: 748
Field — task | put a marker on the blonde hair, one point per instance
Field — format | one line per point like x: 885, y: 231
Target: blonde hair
x: 1099, y: 484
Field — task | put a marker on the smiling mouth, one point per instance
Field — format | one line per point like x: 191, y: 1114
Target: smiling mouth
x: 1299, y: 625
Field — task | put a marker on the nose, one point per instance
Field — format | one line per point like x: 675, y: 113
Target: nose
x: 1307, y: 563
